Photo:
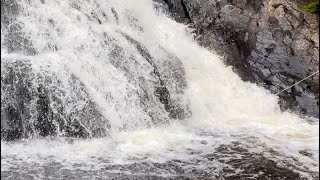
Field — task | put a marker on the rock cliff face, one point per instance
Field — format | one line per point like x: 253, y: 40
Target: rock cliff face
x: 269, y: 42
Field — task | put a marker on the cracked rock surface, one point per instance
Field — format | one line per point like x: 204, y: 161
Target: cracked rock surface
x: 269, y: 42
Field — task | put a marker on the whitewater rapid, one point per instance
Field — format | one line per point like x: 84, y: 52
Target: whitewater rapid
x: 224, y: 109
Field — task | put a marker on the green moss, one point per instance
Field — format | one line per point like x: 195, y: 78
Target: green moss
x: 312, y: 7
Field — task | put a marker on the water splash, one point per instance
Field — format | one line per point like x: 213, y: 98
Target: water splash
x: 96, y: 76
x: 124, y: 70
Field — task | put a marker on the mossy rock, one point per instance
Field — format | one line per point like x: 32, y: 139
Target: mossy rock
x: 312, y: 7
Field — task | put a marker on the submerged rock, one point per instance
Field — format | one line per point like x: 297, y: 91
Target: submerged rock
x: 269, y: 42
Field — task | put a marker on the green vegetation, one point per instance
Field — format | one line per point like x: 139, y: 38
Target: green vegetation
x: 311, y: 6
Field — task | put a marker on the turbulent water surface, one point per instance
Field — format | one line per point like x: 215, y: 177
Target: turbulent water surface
x: 115, y: 89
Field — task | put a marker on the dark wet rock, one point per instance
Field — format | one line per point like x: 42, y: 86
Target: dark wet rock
x: 31, y: 105
x: 170, y: 79
x: 9, y: 10
x: 166, y: 83
x: 14, y: 38
x: 269, y: 42
x: 250, y: 165
x: 44, y: 123
x: 163, y: 94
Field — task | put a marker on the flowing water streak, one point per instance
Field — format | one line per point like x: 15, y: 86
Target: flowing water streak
x: 222, y: 104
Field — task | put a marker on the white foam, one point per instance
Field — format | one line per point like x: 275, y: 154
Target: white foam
x: 221, y: 102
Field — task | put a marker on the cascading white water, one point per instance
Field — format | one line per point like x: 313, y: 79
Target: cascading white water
x: 88, y: 40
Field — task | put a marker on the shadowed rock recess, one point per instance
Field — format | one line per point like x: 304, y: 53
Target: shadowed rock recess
x: 273, y: 43
x: 38, y: 99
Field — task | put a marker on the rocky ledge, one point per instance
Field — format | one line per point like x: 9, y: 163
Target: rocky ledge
x: 269, y: 42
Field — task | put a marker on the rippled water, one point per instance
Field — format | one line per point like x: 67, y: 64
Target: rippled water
x: 178, y: 151
x: 236, y: 130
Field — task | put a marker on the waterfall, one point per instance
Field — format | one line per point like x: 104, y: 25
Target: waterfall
x: 124, y: 75
x: 78, y: 68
